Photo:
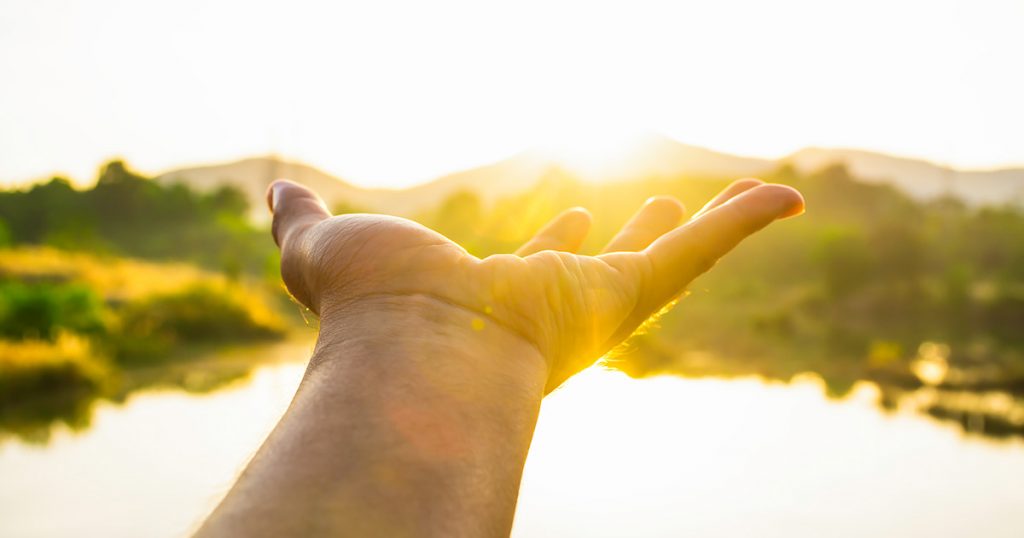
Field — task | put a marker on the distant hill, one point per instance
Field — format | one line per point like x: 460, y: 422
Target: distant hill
x: 919, y: 179
x: 655, y: 156
x: 254, y: 175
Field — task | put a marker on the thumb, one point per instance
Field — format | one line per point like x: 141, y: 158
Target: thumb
x: 295, y: 209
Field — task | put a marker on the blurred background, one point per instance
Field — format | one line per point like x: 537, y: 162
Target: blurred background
x: 856, y: 371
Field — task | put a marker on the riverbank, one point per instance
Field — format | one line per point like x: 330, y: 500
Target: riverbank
x: 77, y: 327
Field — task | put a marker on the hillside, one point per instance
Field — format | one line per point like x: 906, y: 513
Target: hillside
x: 253, y: 175
x: 656, y: 156
x: 921, y: 180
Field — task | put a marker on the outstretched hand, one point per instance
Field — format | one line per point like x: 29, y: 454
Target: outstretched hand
x: 572, y: 308
x: 419, y: 404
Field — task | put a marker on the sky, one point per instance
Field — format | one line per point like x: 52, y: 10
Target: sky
x: 386, y: 93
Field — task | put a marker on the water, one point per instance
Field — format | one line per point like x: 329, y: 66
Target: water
x: 612, y: 456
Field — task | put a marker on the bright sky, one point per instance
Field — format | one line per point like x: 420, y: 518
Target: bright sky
x: 392, y: 93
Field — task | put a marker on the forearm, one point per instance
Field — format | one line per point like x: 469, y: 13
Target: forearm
x: 414, y: 419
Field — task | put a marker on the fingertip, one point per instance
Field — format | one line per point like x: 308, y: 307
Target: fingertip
x: 285, y: 189
x: 666, y: 200
x: 276, y: 188
x: 565, y: 232
x: 795, y: 211
x: 790, y: 201
x: 294, y: 207
x: 579, y: 210
x: 666, y: 205
x: 577, y: 218
x: 745, y: 184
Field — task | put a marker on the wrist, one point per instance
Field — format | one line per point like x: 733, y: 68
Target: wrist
x: 411, y: 420
x: 406, y: 330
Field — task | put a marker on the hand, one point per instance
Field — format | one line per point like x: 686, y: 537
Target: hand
x: 572, y: 308
x: 418, y: 408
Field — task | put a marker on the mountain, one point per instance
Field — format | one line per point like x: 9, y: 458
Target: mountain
x: 651, y: 155
x: 921, y: 180
x: 252, y: 176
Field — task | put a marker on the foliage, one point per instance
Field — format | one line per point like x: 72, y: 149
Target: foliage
x: 866, y: 264
x: 847, y: 291
x: 71, y: 324
x: 199, y: 313
x: 126, y: 213
x: 41, y: 311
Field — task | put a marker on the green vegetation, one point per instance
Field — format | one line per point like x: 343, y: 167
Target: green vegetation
x: 850, y: 291
x: 199, y: 313
x: 77, y: 316
x: 72, y: 327
x: 866, y: 264
x: 127, y: 214
x: 41, y: 311
x: 865, y: 286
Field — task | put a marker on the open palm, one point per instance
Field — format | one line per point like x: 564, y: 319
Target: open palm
x: 573, y: 308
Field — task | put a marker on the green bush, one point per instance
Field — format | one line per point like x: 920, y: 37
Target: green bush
x: 41, y: 310
x: 5, y: 234
x: 198, y: 314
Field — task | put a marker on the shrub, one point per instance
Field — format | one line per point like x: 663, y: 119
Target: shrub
x: 200, y: 313
x: 42, y: 310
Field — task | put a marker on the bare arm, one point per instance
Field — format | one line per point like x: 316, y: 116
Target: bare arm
x: 404, y: 425
x: 419, y: 404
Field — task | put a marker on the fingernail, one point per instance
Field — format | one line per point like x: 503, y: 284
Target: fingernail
x: 794, y: 211
x: 274, y: 193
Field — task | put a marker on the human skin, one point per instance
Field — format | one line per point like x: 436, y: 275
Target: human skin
x: 419, y: 403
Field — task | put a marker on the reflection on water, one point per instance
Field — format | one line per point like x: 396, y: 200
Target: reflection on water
x: 978, y: 400
x: 667, y: 456
x: 982, y: 397
x: 149, y: 467
x: 613, y: 456
x: 198, y: 372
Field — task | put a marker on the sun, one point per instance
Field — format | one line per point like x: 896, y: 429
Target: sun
x: 595, y: 152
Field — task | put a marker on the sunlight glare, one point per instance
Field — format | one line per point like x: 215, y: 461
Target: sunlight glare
x: 595, y: 153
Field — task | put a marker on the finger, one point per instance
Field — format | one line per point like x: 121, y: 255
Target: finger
x: 735, y: 188
x: 295, y: 210
x: 680, y: 256
x: 565, y: 232
x: 658, y: 216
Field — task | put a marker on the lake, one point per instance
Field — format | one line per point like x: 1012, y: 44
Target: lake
x: 612, y: 457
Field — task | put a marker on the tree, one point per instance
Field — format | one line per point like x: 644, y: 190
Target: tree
x: 845, y: 260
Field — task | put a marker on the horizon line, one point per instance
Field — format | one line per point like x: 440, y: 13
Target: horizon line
x: 369, y: 185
